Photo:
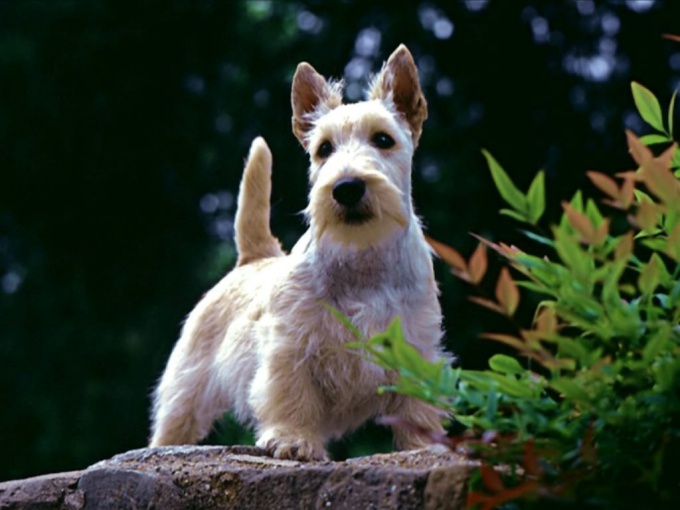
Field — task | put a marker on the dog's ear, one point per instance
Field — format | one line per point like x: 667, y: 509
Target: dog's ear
x: 311, y: 93
x: 398, y: 81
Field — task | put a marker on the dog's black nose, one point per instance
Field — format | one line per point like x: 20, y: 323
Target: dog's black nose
x: 348, y: 192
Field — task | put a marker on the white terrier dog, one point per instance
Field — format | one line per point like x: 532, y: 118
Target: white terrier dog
x: 261, y: 343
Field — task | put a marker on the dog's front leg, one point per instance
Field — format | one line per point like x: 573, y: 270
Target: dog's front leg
x: 288, y: 408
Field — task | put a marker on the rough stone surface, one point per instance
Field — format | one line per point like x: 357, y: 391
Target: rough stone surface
x: 243, y: 477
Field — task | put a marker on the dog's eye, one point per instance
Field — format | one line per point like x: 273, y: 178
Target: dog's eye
x: 324, y: 150
x: 382, y: 140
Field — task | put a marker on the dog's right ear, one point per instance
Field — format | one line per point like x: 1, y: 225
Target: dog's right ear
x: 311, y: 94
x: 399, y: 82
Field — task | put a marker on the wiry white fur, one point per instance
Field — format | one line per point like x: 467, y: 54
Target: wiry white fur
x: 261, y: 343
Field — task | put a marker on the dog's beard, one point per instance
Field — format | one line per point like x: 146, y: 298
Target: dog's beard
x: 379, y: 213
x: 356, y: 215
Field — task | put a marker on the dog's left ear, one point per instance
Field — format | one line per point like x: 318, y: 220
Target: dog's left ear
x: 398, y: 80
x: 311, y: 92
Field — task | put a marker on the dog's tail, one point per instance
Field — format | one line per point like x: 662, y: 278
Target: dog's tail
x: 254, y: 239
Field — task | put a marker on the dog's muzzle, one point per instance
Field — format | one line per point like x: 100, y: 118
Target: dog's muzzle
x: 348, y: 193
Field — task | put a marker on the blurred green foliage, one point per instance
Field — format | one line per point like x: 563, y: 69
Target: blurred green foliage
x: 123, y: 128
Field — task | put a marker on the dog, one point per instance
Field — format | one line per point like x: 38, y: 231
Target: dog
x: 261, y: 343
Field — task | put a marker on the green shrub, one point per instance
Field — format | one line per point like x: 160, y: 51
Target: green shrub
x: 589, y: 411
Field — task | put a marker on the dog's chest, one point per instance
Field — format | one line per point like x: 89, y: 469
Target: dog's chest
x: 345, y: 380
x: 370, y: 290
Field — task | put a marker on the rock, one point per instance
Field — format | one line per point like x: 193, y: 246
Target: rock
x: 42, y: 492
x: 243, y: 477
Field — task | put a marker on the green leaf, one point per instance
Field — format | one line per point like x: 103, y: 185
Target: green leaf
x: 515, y: 215
x: 505, y: 364
x: 571, y: 348
x: 538, y: 238
x: 671, y: 112
x: 508, y: 385
x: 491, y: 405
x: 577, y: 203
x: 344, y: 321
x: 506, y: 188
x: 656, y: 344
x: 664, y: 374
x: 641, y: 196
x: 648, y: 106
x: 655, y: 243
x: 534, y: 287
x: 654, y: 138
x: 593, y: 213
x: 571, y: 253
x: 650, y: 275
x: 570, y: 389
x: 536, y: 197
x: 676, y: 159
x: 448, y: 379
x: 466, y: 421
x: 610, y: 287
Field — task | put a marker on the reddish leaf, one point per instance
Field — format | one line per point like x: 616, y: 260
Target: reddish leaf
x: 512, y: 341
x: 625, y: 246
x: 531, y: 462
x: 605, y: 183
x: 447, y: 254
x: 501, y: 248
x: 673, y: 245
x: 601, y: 232
x: 492, y: 480
x: 546, y: 321
x: 627, y: 192
x: 660, y: 180
x: 530, y: 349
x: 487, y: 303
x: 630, y: 174
x: 579, y: 222
x: 514, y: 493
x: 641, y: 154
x: 478, y: 264
x: 665, y: 159
x: 507, y: 293
x: 647, y: 214
x: 588, y: 452
x: 474, y: 498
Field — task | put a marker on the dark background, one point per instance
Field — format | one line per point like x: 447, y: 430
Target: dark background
x: 123, y: 128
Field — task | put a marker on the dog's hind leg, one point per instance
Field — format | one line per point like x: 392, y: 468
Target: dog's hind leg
x: 183, y: 410
x: 187, y: 400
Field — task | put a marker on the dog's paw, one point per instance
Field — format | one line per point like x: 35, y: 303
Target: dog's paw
x: 413, y: 441
x: 292, y: 448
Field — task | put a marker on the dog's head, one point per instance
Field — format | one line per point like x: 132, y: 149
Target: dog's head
x: 360, y: 153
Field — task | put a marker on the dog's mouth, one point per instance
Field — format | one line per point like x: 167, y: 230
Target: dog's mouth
x: 356, y: 215
x: 349, y: 195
